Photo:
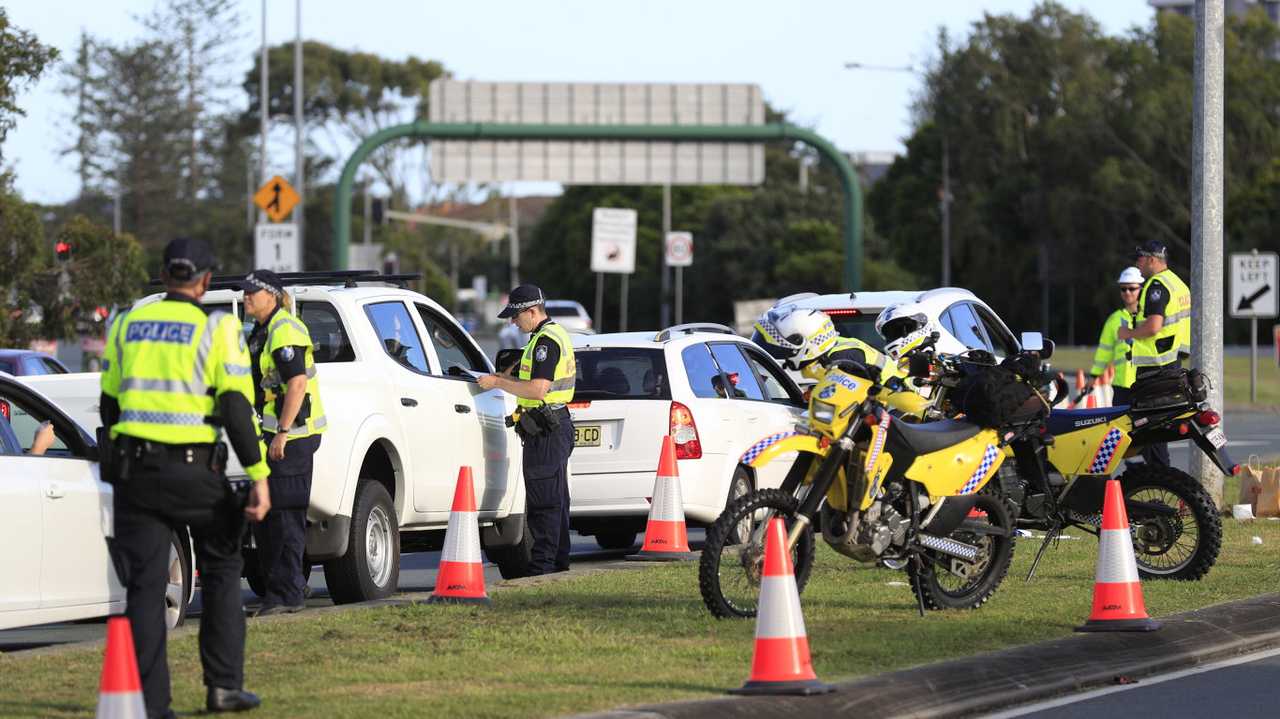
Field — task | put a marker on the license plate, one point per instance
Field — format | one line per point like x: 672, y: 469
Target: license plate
x: 1217, y: 438
x: 586, y: 435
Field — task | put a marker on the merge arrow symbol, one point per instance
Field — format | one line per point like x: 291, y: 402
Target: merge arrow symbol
x: 1246, y: 303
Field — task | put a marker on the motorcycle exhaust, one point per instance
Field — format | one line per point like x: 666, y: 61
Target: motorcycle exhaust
x: 948, y: 546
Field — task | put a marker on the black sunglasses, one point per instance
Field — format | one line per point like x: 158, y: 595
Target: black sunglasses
x: 1130, y: 289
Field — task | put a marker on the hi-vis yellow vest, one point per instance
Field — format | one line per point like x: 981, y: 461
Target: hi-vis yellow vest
x: 1113, y: 351
x: 285, y: 330
x: 883, y: 365
x: 166, y: 364
x: 561, y: 391
x: 1175, y: 334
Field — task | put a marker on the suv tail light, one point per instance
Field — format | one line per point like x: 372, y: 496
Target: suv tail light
x: 1208, y: 418
x: 684, y: 432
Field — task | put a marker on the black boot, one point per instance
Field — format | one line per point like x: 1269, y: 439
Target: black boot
x: 230, y: 700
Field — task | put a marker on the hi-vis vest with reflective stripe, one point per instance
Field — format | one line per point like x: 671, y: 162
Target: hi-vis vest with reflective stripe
x: 166, y: 363
x: 1114, y: 351
x: 885, y: 366
x: 1177, y: 324
x: 285, y: 330
x: 561, y: 391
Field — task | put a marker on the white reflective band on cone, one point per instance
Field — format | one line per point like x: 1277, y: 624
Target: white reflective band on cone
x: 121, y: 705
x: 668, y: 505
x: 779, y: 616
x: 462, y: 539
x: 1116, y: 563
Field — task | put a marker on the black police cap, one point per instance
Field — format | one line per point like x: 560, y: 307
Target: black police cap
x: 261, y: 280
x: 522, y: 298
x: 185, y: 258
x: 1150, y: 248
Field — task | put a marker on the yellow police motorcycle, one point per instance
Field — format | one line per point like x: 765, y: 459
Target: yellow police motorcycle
x: 879, y: 489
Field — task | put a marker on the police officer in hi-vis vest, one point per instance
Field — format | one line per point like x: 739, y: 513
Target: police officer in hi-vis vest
x: 288, y: 399
x: 1161, y: 331
x: 1113, y: 351
x: 173, y: 377
x: 543, y: 386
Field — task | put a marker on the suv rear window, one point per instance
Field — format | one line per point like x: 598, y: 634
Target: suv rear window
x: 620, y: 373
x: 858, y: 325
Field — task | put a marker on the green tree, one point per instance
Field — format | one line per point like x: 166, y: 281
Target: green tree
x: 105, y: 270
x: 23, y: 254
x: 22, y: 60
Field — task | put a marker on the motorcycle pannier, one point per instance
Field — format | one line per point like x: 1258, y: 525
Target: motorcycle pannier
x: 1169, y: 387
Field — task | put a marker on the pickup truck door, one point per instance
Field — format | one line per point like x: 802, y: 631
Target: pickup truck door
x: 483, y: 441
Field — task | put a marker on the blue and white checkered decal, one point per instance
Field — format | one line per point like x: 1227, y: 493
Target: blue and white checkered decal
x: 988, y: 459
x: 1106, y: 451
x: 756, y: 449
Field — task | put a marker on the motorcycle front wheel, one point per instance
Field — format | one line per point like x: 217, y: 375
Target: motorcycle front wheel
x: 945, y: 582
x: 733, y: 553
x: 1182, y: 544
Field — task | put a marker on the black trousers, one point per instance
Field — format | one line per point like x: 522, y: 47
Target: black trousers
x: 282, y: 536
x: 158, y: 497
x: 1156, y: 455
x: 546, y: 483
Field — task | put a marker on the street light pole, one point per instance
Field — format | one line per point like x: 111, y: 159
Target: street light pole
x: 944, y: 195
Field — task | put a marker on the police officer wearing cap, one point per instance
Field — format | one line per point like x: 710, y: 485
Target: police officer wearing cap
x: 543, y: 386
x: 288, y: 400
x: 1112, y: 350
x: 1162, y: 326
x: 175, y: 375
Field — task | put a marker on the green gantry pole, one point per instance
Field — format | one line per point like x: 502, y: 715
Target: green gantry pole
x: 658, y: 133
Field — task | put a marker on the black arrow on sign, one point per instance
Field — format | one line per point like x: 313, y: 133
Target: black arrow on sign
x: 1246, y: 303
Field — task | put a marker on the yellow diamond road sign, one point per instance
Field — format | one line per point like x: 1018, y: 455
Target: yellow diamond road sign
x: 277, y: 198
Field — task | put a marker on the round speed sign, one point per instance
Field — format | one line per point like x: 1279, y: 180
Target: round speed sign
x: 679, y: 249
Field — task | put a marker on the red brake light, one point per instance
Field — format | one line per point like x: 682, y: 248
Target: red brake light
x: 1183, y: 428
x: 580, y: 405
x: 1235, y: 470
x: 842, y: 312
x: 1208, y: 418
x: 4, y: 410
x: 684, y: 432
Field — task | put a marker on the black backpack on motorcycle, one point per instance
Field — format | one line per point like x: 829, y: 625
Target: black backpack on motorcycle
x: 1169, y: 387
x: 998, y: 397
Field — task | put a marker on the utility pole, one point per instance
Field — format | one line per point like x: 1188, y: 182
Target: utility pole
x: 262, y: 106
x: 1206, y: 216
x: 664, y: 313
x: 514, y: 212
x: 299, y: 180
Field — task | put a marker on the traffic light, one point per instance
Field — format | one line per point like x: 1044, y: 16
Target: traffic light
x: 62, y: 250
x: 375, y: 209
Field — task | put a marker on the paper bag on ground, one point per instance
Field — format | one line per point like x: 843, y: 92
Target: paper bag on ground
x: 1269, y: 496
x: 1250, y: 483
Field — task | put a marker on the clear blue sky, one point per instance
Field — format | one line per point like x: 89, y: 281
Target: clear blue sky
x: 794, y: 50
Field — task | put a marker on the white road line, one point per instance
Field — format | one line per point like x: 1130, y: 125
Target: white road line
x: 1150, y: 681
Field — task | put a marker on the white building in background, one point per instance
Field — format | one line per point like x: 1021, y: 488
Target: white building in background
x: 1234, y: 7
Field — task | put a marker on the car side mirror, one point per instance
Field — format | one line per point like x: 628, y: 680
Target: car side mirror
x: 1032, y: 342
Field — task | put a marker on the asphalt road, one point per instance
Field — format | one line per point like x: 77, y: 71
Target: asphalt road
x: 417, y: 574
x: 1247, y: 433
x: 1242, y: 688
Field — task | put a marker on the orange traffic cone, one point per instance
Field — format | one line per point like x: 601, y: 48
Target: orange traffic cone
x: 460, y: 578
x: 665, y: 536
x: 1117, y: 593
x: 1079, y: 387
x: 120, y: 693
x: 781, y: 662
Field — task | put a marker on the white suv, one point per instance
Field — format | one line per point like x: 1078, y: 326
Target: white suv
x: 713, y: 391
x: 966, y: 322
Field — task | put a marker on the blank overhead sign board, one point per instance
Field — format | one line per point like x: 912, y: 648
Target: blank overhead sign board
x: 601, y: 162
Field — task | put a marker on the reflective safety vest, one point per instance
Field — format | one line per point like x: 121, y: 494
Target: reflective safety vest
x: 285, y: 330
x: 1175, y: 335
x: 1113, y: 351
x: 166, y: 364
x: 882, y: 363
x: 561, y: 391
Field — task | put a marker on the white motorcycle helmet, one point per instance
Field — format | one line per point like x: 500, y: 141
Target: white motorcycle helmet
x: 904, y: 327
x: 794, y: 336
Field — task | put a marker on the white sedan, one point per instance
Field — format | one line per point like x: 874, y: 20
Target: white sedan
x: 55, y: 518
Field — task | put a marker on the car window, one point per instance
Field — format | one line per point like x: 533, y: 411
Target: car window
x: 8, y: 365
x: 562, y: 311
x: 704, y: 375
x: 452, y: 347
x: 8, y: 442
x: 52, y: 367
x: 1004, y: 344
x: 621, y: 373
x: 396, y: 334
x: 25, y: 420
x: 328, y: 335
x: 858, y: 325
x: 776, y: 387
x: 742, y: 378
x: 33, y: 366
x: 967, y: 328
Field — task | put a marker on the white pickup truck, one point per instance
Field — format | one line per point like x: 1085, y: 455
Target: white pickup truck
x: 405, y: 413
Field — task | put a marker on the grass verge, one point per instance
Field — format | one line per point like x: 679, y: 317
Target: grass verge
x: 624, y: 637
x: 1235, y: 376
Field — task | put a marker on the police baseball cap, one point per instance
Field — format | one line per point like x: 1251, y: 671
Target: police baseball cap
x: 522, y: 298
x: 1150, y: 248
x: 186, y: 258
x: 261, y: 280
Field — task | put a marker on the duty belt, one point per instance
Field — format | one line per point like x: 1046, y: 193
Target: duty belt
x: 178, y: 453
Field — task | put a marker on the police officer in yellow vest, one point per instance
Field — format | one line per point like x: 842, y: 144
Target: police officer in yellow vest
x: 293, y: 419
x: 1162, y: 327
x: 173, y: 377
x: 1112, y: 350
x: 543, y: 386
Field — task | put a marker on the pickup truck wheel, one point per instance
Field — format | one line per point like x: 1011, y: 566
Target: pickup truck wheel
x: 513, y: 561
x: 371, y: 567
x: 177, y: 590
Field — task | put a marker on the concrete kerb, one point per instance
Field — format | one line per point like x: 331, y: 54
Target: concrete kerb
x: 398, y: 600
x: 987, y: 682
